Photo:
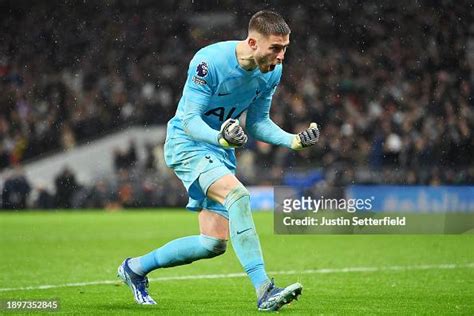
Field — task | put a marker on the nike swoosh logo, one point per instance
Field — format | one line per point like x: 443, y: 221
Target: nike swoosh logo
x: 243, y: 231
x: 223, y: 94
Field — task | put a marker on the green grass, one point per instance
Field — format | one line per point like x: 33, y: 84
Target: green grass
x: 57, y: 248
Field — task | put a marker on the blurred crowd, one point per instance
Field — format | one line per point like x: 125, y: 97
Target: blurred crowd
x: 390, y: 83
x: 134, y: 183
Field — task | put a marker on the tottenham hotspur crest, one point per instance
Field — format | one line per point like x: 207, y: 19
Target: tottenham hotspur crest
x: 202, y: 70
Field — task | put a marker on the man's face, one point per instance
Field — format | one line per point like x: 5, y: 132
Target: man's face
x: 270, y: 51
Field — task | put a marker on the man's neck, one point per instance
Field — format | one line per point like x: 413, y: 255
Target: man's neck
x: 245, y: 56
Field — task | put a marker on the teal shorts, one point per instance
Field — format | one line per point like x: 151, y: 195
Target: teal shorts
x: 198, y: 165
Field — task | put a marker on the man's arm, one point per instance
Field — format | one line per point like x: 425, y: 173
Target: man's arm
x: 197, y: 92
x: 231, y: 134
x: 260, y: 126
x: 195, y: 126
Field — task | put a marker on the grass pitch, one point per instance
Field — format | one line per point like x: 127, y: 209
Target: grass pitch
x: 389, y: 274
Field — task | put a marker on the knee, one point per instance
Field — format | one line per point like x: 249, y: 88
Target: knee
x: 214, y: 245
x: 236, y: 193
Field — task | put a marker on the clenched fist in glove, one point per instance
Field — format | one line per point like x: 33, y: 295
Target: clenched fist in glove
x: 306, y: 138
x: 232, y: 135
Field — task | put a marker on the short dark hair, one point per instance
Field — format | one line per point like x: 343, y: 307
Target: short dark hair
x: 268, y: 23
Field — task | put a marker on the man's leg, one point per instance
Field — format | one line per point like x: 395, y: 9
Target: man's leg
x: 213, y: 224
x: 232, y: 194
x: 210, y: 243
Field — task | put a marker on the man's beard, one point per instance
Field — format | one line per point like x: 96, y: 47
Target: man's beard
x: 264, y: 65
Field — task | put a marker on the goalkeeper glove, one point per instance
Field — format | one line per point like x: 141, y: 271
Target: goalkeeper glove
x: 306, y: 138
x: 232, y: 135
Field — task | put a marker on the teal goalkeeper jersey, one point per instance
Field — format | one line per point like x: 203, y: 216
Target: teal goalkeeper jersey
x: 217, y: 89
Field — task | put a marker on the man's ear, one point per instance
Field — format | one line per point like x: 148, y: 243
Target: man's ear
x: 252, y: 42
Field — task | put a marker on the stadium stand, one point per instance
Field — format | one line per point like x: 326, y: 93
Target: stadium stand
x: 391, y: 85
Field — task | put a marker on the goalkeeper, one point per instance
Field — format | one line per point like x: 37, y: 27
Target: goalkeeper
x: 223, y: 81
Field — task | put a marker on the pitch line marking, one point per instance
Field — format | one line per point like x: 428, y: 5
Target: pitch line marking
x: 241, y: 274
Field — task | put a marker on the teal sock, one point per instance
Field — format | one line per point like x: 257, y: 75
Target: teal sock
x: 178, y: 252
x: 244, y: 236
